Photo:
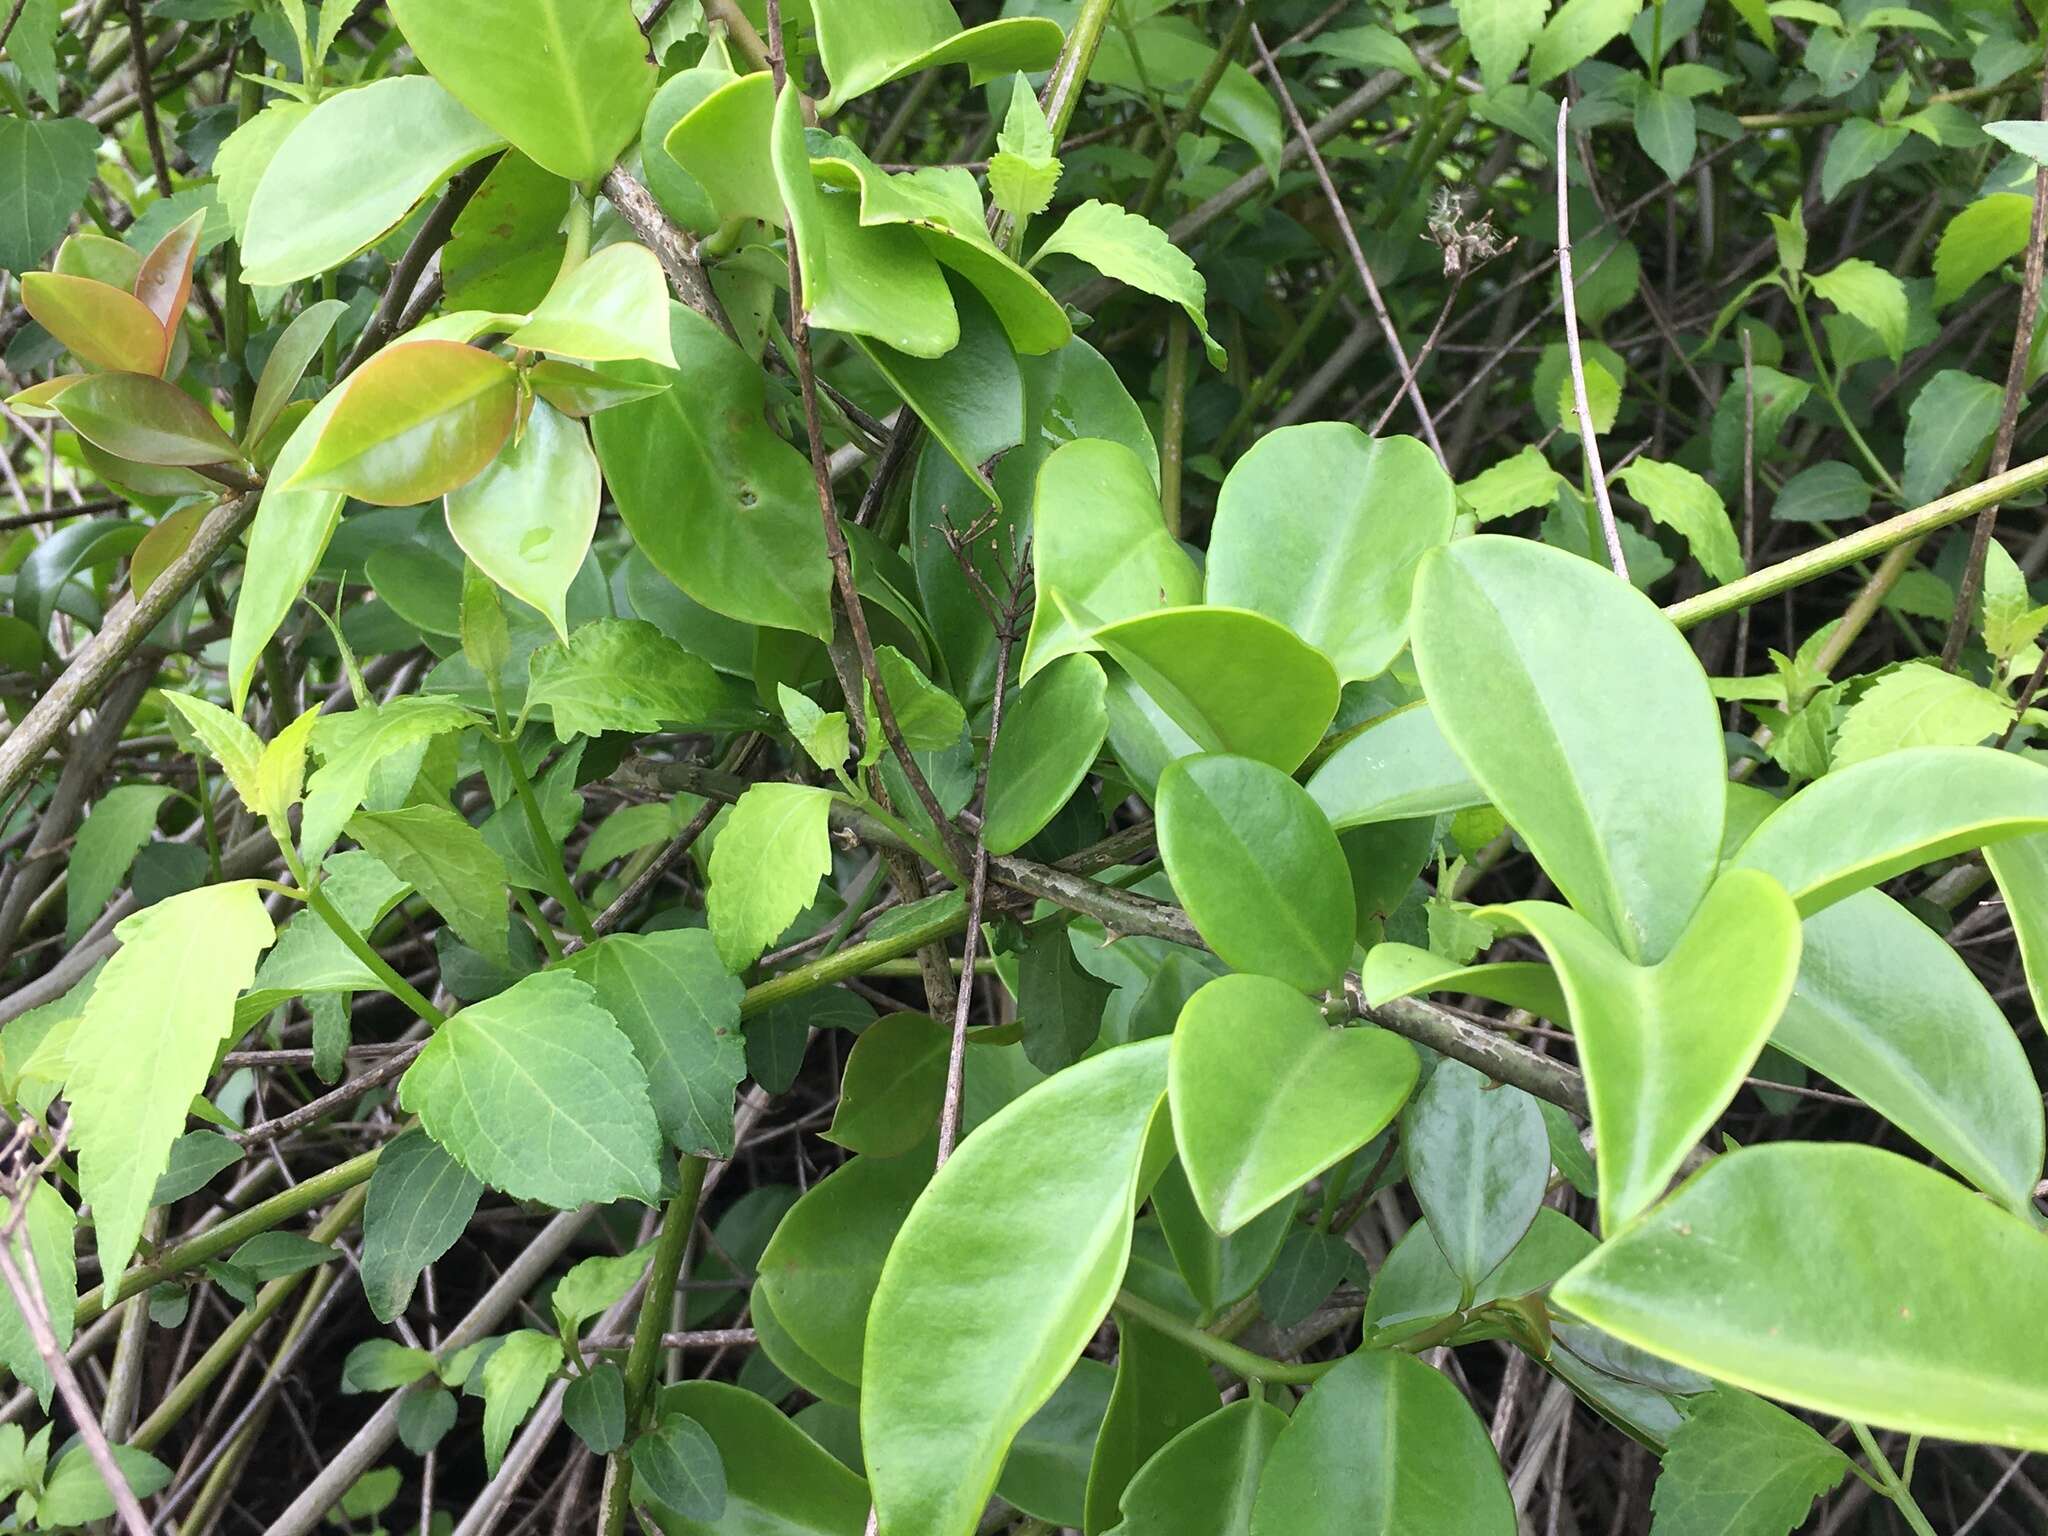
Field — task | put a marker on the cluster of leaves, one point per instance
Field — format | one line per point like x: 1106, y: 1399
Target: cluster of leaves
x: 654, y: 674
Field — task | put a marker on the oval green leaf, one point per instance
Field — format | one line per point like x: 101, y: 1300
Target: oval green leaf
x: 527, y: 519
x: 416, y: 421
x: 1051, y: 732
x: 612, y: 308
x: 1392, y: 768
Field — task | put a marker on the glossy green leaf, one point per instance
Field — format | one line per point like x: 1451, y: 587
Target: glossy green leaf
x: 1839, y: 1278
x: 1162, y: 1388
x: 147, y: 419
x: 419, y: 1204
x: 508, y: 241
x: 1478, y: 1161
x: 1258, y: 869
x: 1416, y: 1285
x: 1394, y: 767
x: 526, y: 520
x: 613, y: 307
x: 290, y: 534
x: 1006, y: 1266
x: 1059, y: 1005
x: 540, y: 1053
x: 390, y: 142
x: 676, y: 1465
x: 868, y: 43
x: 1584, y: 716
x: 722, y: 506
x: 565, y: 81
x: 1665, y: 1047
x: 680, y: 1008
x: 1046, y: 1474
x: 1132, y: 249
x: 1266, y: 1095
x: 1234, y: 680
x: 867, y: 280
x: 778, y: 1480
x: 1100, y: 550
x: 1435, y: 1470
x: 972, y: 399
x: 416, y: 421
x: 97, y: 323
x: 1203, y: 1481
x: 1889, y: 814
x: 1887, y: 1010
x: 40, y: 580
x: 287, y: 364
x: 722, y: 142
x: 1394, y: 970
x: 894, y: 1080
x: 765, y: 867
x: 146, y: 1043
x: 1321, y: 527
x: 1218, y: 1269
x: 1051, y: 733
x: 594, y: 1408
x: 50, y: 164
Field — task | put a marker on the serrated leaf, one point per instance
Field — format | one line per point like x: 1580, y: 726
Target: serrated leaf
x: 765, y: 867
x: 514, y: 1378
x: 1132, y: 249
x: 1919, y: 705
x: 1680, y: 499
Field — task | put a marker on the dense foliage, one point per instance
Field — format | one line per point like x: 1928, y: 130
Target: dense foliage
x: 1244, y: 769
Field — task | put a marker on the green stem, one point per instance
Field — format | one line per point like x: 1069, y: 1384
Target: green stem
x: 359, y: 946
x: 544, y: 844
x: 1894, y: 1487
x: 1827, y: 388
x: 670, y: 1248
x: 542, y: 928
x: 577, y: 227
x: 854, y: 960
x: 1865, y: 542
x: 1173, y: 422
x: 1236, y: 1360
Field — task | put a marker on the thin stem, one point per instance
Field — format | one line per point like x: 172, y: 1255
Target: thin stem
x: 1233, y: 1358
x: 544, y: 844
x: 357, y: 945
x: 1595, y: 475
x: 1173, y: 422
x: 1826, y: 381
x: 1892, y: 1485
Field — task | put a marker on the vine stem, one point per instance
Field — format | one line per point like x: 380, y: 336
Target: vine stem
x: 648, y: 1329
x: 1890, y: 1483
x: 1232, y: 1357
x: 544, y: 844
x: 357, y: 945
x: 1591, y: 444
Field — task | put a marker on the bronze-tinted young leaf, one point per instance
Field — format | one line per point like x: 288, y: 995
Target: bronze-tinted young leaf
x: 418, y: 420
x: 99, y: 324
x: 164, y: 282
x: 142, y: 417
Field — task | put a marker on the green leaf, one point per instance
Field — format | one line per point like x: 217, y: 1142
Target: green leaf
x: 677, y: 1465
x: 930, y: 718
x: 1838, y: 1278
x: 722, y: 143
x: 1919, y: 705
x: 1665, y: 128
x: 272, y: 1255
x: 1218, y: 1269
x: 1949, y: 422
x: 610, y: 308
x: 1518, y: 484
x: 1132, y: 249
x: 895, y: 1078
x: 778, y: 1480
x: 417, y: 420
x: 1052, y: 730
x: 565, y: 82
x: 1234, y: 680
x: 45, y: 168
x: 108, y: 840
x: 1047, y: 1471
x: 1868, y: 293
x: 765, y: 867
x: 1840, y: 59
x: 972, y: 399
x: 1665, y: 1047
x: 353, y: 743
x: 508, y: 242
x: 540, y: 1053
x: 98, y: 324
x: 76, y: 1495
x: 288, y: 538
x: 448, y: 862
x: 1321, y: 528
x: 1059, y: 1005
x: 594, y: 1408
x: 146, y: 1045
x: 824, y: 736
x: 1980, y: 240
x: 1394, y: 970
x: 998, y: 1280
x: 594, y: 1284
x: 514, y: 1378
x: 1393, y: 768
x: 1680, y: 499
x: 1860, y: 826
x: 1478, y: 1160
x: 141, y: 417
x: 1738, y: 1464
x: 48, y: 1229
x: 1025, y: 170
x: 526, y: 520
x: 1576, y: 31
x: 1416, y: 1286
x: 680, y: 1008
x: 390, y: 143
x: 722, y: 506
x: 878, y: 280
x: 1100, y: 550
x: 1258, y: 869
x: 1445, y: 1477
x: 419, y: 1204
x: 1584, y: 716
x: 383, y: 1365
x: 867, y: 43
x: 1887, y: 1010
x: 1500, y: 32
x: 1162, y: 1388
x: 1266, y: 1095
